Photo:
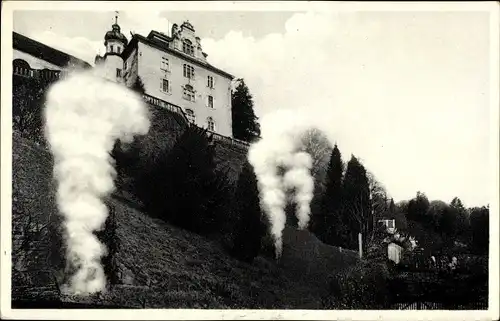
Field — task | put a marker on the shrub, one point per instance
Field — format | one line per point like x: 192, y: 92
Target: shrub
x: 364, y: 286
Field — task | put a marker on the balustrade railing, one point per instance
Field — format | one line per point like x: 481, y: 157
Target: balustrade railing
x: 44, y: 74
x: 178, y: 110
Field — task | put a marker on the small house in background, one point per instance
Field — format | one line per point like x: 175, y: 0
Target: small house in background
x: 390, y: 225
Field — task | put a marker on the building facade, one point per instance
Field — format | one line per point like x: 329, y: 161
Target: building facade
x: 173, y: 69
x: 33, y: 59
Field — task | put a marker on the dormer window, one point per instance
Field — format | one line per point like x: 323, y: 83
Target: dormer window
x: 187, y: 47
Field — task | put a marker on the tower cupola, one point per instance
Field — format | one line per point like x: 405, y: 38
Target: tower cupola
x: 114, y: 40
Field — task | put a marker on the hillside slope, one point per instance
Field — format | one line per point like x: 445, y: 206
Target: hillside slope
x: 159, y: 265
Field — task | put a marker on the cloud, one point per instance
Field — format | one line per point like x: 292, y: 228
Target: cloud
x: 79, y: 47
x: 86, y: 48
x: 406, y: 92
x: 142, y: 21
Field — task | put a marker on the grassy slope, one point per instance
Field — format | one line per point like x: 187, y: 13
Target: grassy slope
x: 172, y: 267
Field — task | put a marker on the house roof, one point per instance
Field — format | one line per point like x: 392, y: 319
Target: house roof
x: 150, y: 41
x: 44, y: 52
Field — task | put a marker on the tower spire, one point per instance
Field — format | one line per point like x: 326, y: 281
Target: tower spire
x: 116, y: 17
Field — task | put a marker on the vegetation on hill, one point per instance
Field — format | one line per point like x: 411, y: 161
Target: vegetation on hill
x: 251, y: 227
x: 182, y: 195
x: 28, y: 96
x: 183, y: 186
x: 157, y: 263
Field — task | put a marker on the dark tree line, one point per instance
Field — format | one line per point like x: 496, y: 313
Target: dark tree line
x: 353, y: 202
x: 183, y: 186
x: 345, y: 207
x: 454, y: 225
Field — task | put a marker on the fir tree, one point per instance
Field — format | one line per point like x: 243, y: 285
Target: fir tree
x: 250, y: 229
x: 356, y: 207
x: 328, y: 223
x: 245, y: 122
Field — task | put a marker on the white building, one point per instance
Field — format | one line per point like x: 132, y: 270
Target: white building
x: 173, y: 69
x: 33, y: 59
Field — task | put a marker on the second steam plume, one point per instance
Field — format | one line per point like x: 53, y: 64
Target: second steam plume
x: 279, y: 151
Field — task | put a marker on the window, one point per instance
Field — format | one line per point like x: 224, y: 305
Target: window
x: 187, y: 47
x: 390, y: 223
x: 188, y: 93
x: 124, y: 65
x: 112, y: 48
x: 118, y: 49
x: 190, y: 115
x: 210, y: 124
x: 118, y: 72
x: 165, y: 64
x: 210, y: 82
x: 210, y: 101
x: 188, y: 71
x: 165, y: 85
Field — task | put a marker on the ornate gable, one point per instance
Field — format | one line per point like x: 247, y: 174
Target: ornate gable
x: 185, y: 40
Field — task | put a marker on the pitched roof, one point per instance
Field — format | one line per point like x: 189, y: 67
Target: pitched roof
x: 44, y: 52
x: 163, y: 46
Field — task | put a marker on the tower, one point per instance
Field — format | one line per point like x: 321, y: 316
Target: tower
x: 112, y: 61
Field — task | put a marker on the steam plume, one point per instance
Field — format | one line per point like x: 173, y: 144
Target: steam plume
x: 84, y: 116
x: 279, y: 148
x: 299, y: 178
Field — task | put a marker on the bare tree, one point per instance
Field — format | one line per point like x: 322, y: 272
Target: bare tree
x: 379, y: 199
x: 316, y: 144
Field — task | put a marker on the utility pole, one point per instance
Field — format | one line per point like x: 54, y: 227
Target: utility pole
x: 360, y: 243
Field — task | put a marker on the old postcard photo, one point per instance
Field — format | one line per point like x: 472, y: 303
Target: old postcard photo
x: 239, y: 160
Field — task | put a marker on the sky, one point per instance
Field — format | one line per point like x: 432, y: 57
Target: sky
x: 405, y: 92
